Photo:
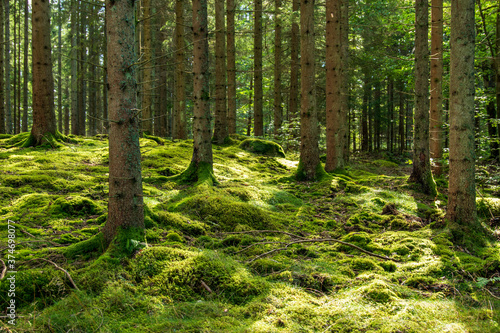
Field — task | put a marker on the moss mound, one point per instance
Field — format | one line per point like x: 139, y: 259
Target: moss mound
x: 262, y: 147
x: 75, y: 206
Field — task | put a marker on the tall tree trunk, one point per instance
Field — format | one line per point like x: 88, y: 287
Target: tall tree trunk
x: 147, y: 83
x: 249, y: 116
x: 495, y: 152
x: 220, y: 126
x: 402, y: 114
x: 125, y: 205
x: 105, y: 123
x: 377, y: 114
x: 294, y: 62
x: 2, y: 85
x: 15, y: 91
x: 278, y: 111
x: 231, y: 67
x: 25, y: 68
x: 201, y: 167
x: 462, y: 187
x: 344, y: 94
x: 364, y: 113
x: 44, y: 119
x: 436, y: 113
x: 74, y: 70
x: 258, y: 92
x: 179, y: 121
x: 390, y: 112
x: 421, y: 173
x: 335, y: 117
x: 8, y: 107
x: 309, y: 165
x: 82, y: 83
x: 93, y: 59
x: 161, y: 87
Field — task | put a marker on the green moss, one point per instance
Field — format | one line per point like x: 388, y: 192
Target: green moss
x: 379, y: 292
x: 182, y: 223
x: 385, y: 164
x: 75, y: 206
x: 201, y: 174
x: 363, y: 264
x: 320, y: 173
x: 420, y: 281
x: 488, y: 206
x: 95, y: 244
x: 262, y: 147
x: 174, y: 237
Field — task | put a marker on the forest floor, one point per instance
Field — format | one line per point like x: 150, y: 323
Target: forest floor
x: 206, y: 269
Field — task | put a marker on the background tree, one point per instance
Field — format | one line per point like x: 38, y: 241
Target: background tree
x: 278, y: 111
x: 8, y: 109
x: 231, y: 67
x: 462, y: 189
x: 220, y: 126
x: 179, y: 123
x: 294, y: 61
x: 125, y: 205
x: 257, y: 80
x: 2, y: 77
x: 421, y: 172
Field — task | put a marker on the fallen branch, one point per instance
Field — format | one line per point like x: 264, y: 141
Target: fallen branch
x: 322, y: 240
x: 254, y: 244
x: 44, y: 240
x: 61, y: 269
x: 262, y: 231
x: 4, y: 270
x: 206, y: 286
x: 491, y: 293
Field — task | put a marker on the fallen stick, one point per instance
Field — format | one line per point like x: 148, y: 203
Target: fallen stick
x: 262, y: 231
x: 61, y: 269
x: 3, y: 270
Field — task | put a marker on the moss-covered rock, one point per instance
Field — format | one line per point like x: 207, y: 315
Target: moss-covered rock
x: 262, y: 147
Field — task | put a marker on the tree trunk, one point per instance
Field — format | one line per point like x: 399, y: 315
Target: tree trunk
x: 258, y: 92
x: 74, y: 73
x: 344, y: 94
x: 495, y: 152
x: 2, y: 85
x: 335, y: 117
x: 162, y: 82
x: 125, y: 206
x: 179, y: 121
x: 390, y: 112
x: 436, y: 113
x: 309, y: 164
x: 462, y: 187
x: 82, y: 91
x: 220, y: 126
x: 231, y: 67
x: 278, y: 111
x: 364, y: 114
x: 25, y: 66
x: 8, y: 108
x: 421, y: 173
x: 249, y: 115
x: 147, y: 83
x: 294, y: 63
x: 44, y: 119
x: 402, y: 114
x: 15, y: 71
x: 377, y: 91
x: 201, y: 167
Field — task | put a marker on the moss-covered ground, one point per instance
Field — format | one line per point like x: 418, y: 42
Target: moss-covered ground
x: 203, y: 268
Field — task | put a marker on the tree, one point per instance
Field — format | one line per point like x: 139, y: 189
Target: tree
x: 278, y: 111
x: 179, y: 121
x: 258, y: 92
x: 74, y: 84
x: 2, y: 107
x: 462, y: 189
x: 231, y: 67
x: 336, y: 120
x: 147, y: 84
x: 309, y: 165
x: 220, y: 126
x: 436, y: 109
x: 8, y: 108
x: 421, y: 173
x: 44, y: 118
x: 25, y: 67
x: 294, y: 62
x: 125, y: 206
x: 201, y: 168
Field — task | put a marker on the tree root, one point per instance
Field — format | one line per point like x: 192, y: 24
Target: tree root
x: 61, y: 269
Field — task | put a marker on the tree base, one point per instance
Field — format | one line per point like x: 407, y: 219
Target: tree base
x: 52, y: 140
x: 301, y: 174
x: 426, y: 182
x: 200, y: 174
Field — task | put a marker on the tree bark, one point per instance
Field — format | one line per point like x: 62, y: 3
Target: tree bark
x: 74, y: 82
x: 294, y: 62
x: 335, y: 113
x: 258, y: 92
x: 125, y: 206
x: 2, y: 85
x: 421, y: 173
x: 220, y: 126
x: 462, y: 188
x: 82, y: 66
x: 44, y: 119
x: 231, y: 67
x: 8, y: 107
x: 179, y: 121
x: 364, y: 113
x: 495, y: 152
x: 278, y: 111
x: 309, y: 164
x: 402, y: 114
x: 344, y: 94
x: 436, y: 109
x: 147, y: 83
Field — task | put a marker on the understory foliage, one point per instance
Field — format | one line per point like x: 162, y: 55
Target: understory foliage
x: 202, y: 266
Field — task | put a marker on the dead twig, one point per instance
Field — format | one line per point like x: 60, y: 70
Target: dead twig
x: 322, y: 240
x: 61, y: 269
x: 262, y: 231
x: 489, y: 292
x: 254, y: 244
x: 206, y: 286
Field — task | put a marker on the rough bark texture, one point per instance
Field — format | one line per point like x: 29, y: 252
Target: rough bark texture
x: 495, y: 153
x: 344, y: 94
x: 258, y: 92
x: 294, y: 63
x: 309, y: 164
x: 461, y: 188
x: 59, y: 66
x: 335, y: 114
x: 201, y: 167
x: 231, y: 68
x: 2, y: 86
x: 278, y: 111
x: 74, y: 83
x: 421, y: 173
x: 436, y: 110
x: 220, y: 126
x: 402, y: 114
x: 179, y: 121
x: 8, y: 110
x: 125, y: 206
x: 147, y: 83
x: 364, y: 114
x: 25, y: 67
x: 44, y: 118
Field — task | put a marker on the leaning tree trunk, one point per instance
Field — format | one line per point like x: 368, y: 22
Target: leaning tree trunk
x: 44, y: 119
x: 421, y: 173
x: 125, y: 206
x: 436, y: 114
x: 220, y: 126
x: 309, y: 164
x: 462, y: 188
x: 258, y: 93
